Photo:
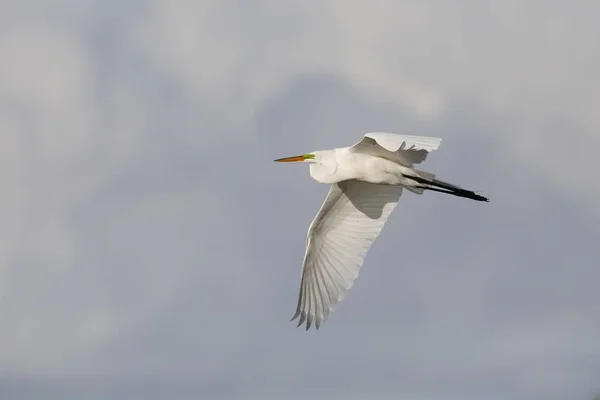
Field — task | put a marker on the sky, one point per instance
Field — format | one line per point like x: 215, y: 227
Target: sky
x: 150, y: 248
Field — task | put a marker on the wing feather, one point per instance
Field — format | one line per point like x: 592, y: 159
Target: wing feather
x: 404, y: 149
x: 350, y: 219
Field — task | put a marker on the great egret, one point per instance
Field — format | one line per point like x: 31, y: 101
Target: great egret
x: 366, y: 183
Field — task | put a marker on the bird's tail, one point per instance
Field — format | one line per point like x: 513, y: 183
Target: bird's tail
x: 427, y: 181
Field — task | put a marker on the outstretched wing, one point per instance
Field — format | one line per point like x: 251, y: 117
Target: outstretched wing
x: 404, y: 149
x: 339, y: 237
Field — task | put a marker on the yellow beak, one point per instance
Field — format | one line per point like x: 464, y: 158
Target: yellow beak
x: 291, y: 159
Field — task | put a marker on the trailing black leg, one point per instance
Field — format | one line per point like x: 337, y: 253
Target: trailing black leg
x: 444, y: 187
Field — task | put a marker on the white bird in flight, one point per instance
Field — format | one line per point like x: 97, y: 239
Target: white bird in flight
x: 366, y: 183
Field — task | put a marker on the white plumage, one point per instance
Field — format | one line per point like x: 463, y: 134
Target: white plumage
x: 366, y: 183
x: 350, y: 220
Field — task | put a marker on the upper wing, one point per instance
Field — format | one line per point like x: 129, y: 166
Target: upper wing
x: 339, y: 237
x: 404, y: 149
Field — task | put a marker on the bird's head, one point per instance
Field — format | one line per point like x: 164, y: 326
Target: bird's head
x: 323, y: 164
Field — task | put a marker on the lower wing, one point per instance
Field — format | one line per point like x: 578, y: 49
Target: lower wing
x: 350, y: 219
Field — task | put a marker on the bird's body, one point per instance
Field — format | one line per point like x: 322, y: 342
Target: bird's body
x: 360, y: 166
x: 366, y: 183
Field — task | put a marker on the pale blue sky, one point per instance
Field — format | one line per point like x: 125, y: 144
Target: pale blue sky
x: 150, y: 248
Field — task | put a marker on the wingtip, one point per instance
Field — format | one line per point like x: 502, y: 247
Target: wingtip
x: 308, y: 320
x: 301, y: 320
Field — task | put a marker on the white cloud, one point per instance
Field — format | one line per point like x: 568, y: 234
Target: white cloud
x: 526, y: 60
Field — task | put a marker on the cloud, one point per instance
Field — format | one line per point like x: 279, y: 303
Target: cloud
x: 149, y: 244
x: 478, y: 52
